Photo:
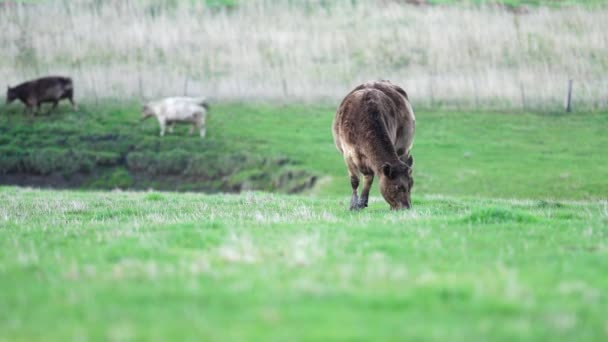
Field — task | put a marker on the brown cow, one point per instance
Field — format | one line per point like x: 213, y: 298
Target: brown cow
x: 46, y: 89
x: 374, y: 130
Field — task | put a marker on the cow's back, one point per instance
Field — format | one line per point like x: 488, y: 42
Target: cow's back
x: 400, y: 121
x: 46, y: 88
x: 51, y: 88
x: 175, y: 108
x: 374, y: 113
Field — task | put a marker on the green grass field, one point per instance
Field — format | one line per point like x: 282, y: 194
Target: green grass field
x: 166, y: 266
x: 507, y: 238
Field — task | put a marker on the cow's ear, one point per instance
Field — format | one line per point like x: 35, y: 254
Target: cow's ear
x: 387, y: 170
x: 409, y: 161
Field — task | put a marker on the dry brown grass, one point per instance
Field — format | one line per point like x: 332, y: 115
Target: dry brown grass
x: 274, y: 50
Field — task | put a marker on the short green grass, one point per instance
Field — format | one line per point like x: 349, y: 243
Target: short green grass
x: 164, y: 266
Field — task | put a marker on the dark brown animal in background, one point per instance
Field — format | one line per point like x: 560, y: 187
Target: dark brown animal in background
x: 46, y: 89
x: 374, y: 130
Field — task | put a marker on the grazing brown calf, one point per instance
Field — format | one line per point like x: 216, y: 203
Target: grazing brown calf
x: 46, y: 89
x: 374, y: 130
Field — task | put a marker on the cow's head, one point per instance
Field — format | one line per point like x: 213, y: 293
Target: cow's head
x: 146, y: 112
x: 11, y: 95
x: 396, y: 183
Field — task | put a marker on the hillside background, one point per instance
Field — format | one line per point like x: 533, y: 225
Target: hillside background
x: 458, y: 54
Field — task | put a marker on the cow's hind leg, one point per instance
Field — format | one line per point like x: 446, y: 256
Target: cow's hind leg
x: 367, y: 185
x: 52, y: 107
x: 201, y: 128
x: 70, y: 97
x: 199, y: 124
x: 353, y: 171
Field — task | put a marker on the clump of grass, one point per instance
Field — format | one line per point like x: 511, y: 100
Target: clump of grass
x: 113, y: 178
x: 49, y: 160
x: 155, y: 197
x: 498, y: 215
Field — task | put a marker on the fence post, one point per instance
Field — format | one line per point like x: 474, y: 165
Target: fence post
x: 140, y: 82
x: 186, y: 86
x: 476, y: 91
x: 94, y: 83
x: 140, y: 85
x: 523, y: 96
x: 431, y: 92
x: 285, y: 89
x: 568, y: 102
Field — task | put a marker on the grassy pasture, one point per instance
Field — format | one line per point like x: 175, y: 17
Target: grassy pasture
x: 462, y: 265
x: 124, y: 265
x: 507, y: 239
x: 523, y: 155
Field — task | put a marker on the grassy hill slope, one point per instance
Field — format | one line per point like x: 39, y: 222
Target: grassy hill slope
x: 282, y: 147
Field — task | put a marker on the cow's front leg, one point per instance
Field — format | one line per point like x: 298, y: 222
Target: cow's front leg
x: 201, y: 129
x: 52, y: 107
x: 162, y: 125
x: 367, y: 185
x: 31, y: 107
x: 33, y: 110
x: 170, y: 127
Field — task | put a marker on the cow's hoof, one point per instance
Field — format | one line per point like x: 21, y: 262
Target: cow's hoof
x: 356, y: 207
